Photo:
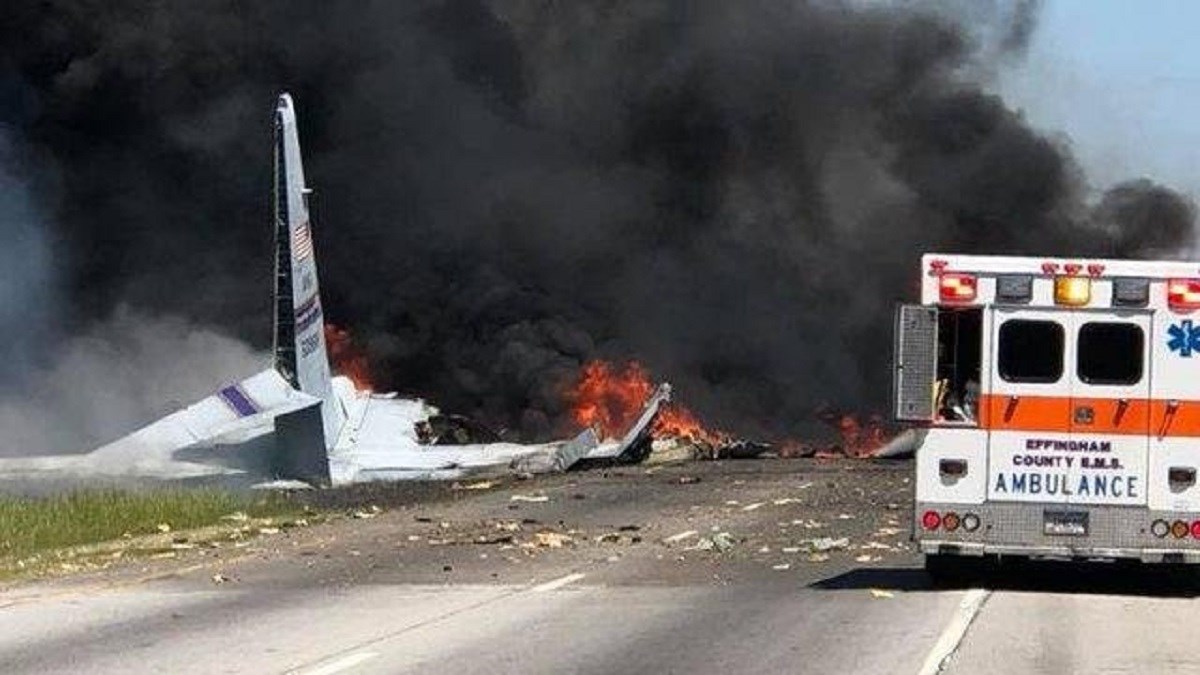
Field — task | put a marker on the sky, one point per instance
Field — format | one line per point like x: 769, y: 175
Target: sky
x: 1121, y: 80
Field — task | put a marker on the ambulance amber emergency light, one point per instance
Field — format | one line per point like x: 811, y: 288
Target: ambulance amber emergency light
x: 1072, y: 291
x: 1183, y: 293
x: 956, y: 287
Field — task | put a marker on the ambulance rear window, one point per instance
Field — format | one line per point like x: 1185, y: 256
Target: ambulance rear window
x: 1030, y: 351
x: 1110, y: 353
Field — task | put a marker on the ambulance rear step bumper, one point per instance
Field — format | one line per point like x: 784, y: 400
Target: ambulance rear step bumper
x: 1171, y: 556
x: 1020, y: 529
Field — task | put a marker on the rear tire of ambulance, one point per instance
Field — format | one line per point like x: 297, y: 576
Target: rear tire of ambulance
x: 950, y: 570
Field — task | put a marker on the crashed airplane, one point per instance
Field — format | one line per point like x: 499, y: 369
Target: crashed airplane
x: 296, y: 421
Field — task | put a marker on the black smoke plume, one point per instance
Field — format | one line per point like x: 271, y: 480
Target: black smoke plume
x: 734, y: 193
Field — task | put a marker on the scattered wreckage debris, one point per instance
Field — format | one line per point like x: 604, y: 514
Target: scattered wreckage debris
x: 608, y: 397
x: 721, y: 542
x: 477, y: 485
x: 527, y: 535
x: 676, y: 538
x: 551, y: 539
x: 453, y: 430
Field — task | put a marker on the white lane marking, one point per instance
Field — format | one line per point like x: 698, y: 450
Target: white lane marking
x: 557, y: 583
x: 953, y: 634
x: 338, y: 665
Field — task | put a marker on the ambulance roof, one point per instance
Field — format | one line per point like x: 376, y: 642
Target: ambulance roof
x: 1051, y: 265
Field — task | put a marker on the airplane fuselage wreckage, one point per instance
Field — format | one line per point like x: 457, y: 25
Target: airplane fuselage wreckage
x: 295, y: 421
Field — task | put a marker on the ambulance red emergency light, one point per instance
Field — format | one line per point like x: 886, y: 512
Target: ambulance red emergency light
x: 1057, y: 406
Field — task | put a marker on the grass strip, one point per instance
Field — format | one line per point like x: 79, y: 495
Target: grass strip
x: 30, y: 526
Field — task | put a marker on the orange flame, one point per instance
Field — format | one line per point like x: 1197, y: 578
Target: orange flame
x: 858, y: 436
x: 675, y: 420
x: 612, y: 399
x: 345, y: 357
x: 607, y: 399
x: 862, y: 439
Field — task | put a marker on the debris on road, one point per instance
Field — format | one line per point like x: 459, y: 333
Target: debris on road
x: 478, y: 485
x: 720, y: 542
x: 367, y: 513
x: 494, y: 539
x: 809, y: 524
x: 723, y: 541
x: 673, y: 450
x: 549, y: 539
x: 784, y: 520
x: 533, y: 499
x: 875, y: 545
x: 829, y: 544
x: 676, y: 538
x: 618, y: 538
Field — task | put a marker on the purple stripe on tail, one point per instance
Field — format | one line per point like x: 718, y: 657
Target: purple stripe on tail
x: 237, y: 399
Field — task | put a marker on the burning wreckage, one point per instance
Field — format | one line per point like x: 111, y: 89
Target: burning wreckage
x: 296, y: 421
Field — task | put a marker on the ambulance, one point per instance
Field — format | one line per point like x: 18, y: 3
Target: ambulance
x: 1055, y: 404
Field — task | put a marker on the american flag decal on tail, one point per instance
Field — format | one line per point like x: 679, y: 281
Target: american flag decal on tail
x: 302, y: 245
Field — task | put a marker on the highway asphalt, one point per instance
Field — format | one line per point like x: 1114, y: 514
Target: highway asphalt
x: 612, y: 572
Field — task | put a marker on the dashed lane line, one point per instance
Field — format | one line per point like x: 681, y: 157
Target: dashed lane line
x: 557, y: 583
x: 340, y: 664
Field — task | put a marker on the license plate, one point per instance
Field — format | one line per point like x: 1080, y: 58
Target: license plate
x: 1066, y: 523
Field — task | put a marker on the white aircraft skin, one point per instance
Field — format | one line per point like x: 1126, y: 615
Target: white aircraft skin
x: 235, y: 433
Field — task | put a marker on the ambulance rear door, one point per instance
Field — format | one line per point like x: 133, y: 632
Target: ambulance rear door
x: 1027, y: 406
x: 1110, y: 407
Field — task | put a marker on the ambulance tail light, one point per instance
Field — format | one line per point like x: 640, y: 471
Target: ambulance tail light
x: 951, y: 521
x: 957, y: 287
x: 930, y: 520
x: 970, y: 522
x: 1072, y: 291
x: 1183, y: 294
x: 1179, y: 529
x: 1159, y: 528
x: 1196, y: 529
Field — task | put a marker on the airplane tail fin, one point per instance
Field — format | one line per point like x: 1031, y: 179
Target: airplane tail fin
x: 301, y: 355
